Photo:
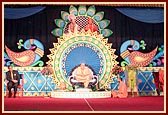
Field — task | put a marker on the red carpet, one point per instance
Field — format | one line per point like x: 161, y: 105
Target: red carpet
x: 153, y: 103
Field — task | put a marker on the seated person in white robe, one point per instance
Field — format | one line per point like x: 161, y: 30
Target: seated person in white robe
x: 83, y: 75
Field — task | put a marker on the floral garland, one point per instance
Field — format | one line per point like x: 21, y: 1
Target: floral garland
x: 47, y: 70
x: 117, y: 70
x: 130, y: 67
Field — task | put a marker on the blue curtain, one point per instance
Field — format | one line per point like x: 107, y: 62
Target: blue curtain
x: 148, y: 15
x: 17, y: 13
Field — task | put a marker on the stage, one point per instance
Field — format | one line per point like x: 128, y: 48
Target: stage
x: 153, y: 104
x: 47, y: 55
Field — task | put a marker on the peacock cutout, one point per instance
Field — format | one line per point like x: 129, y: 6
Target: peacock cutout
x: 34, y: 50
x: 158, y: 60
x: 128, y: 51
x: 82, y: 15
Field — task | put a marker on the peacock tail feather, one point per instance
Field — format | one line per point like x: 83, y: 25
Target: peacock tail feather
x: 73, y: 10
x: 60, y: 23
x: 106, y: 32
x: 82, y: 10
x: 99, y: 16
x: 57, y: 32
x: 91, y: 11
x: 104, y: 23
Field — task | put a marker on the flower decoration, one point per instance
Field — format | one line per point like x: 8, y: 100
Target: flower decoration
x: 131, y: 67
x: 117, y: 70
x: 47, y: 70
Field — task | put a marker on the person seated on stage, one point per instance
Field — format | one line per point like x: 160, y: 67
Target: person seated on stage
x: 83, y: 75
x: 12, y: 77
x: 62, y: 86
x: 122, y: 91
x: 73, y: 27
x: 91, y: 26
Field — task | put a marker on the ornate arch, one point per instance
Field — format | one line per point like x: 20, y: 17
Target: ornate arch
x: 90, y: 48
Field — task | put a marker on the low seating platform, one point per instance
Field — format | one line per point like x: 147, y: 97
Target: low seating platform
x: 81, y: 93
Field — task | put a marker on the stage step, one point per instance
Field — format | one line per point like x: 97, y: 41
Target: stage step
x: 83, y: 90
x: 96, y: 94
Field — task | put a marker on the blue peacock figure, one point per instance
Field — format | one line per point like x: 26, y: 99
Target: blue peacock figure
x: 34, y: 50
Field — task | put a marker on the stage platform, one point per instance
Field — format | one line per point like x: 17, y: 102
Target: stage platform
x: 80, y: 94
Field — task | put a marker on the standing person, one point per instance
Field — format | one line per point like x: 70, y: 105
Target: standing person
x: 12, y: 77
x: 73, y: 27
x: 161, y: 79
x: 122, y: 91
x: 91, y: 26
x: 157, y: 82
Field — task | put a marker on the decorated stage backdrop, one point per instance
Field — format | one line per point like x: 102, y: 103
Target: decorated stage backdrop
x: 85, y: 46
x: 36, y: 84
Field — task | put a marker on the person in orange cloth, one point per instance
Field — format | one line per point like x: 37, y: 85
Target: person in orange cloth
x: 161, y: 79
x: 73, y: 27
x: 122, y: 91
x: 156, y: 81
x: 62, y: 86
x: 91, y: 26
